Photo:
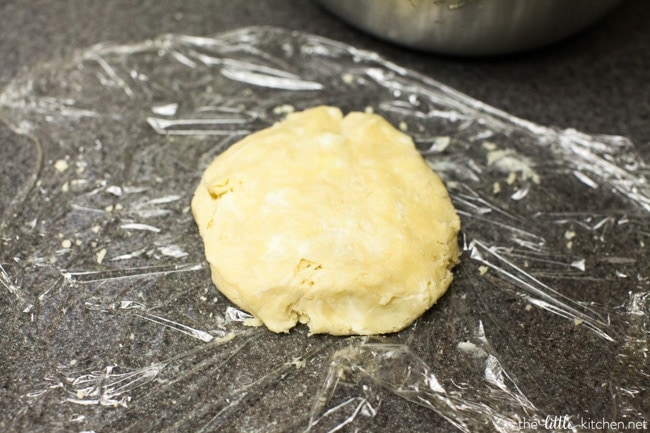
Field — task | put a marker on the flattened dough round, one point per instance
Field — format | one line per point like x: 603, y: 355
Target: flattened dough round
x: 332, y: 221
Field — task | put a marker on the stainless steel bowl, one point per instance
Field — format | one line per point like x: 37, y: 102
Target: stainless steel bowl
x: 471, y: 27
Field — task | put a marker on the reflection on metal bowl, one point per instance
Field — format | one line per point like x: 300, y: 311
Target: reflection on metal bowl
x: 471, y: 27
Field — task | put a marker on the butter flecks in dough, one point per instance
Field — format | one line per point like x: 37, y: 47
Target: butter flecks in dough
x: 332, y: 221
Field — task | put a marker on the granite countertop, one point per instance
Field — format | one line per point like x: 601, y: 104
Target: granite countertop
x: 592, y: 82
x: 595, y: 82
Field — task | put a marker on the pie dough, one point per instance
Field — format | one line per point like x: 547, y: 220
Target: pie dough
x: 336, y: 222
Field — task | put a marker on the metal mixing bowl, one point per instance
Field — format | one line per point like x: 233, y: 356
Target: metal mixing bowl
x: 471, y: 27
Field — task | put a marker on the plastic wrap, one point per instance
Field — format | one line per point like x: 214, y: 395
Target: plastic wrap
x: 110, y: 321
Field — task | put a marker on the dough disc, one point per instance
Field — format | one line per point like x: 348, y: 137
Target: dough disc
x: 336, y: 222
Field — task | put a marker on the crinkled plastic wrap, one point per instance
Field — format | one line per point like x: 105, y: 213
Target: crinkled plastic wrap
x: 110, y: 321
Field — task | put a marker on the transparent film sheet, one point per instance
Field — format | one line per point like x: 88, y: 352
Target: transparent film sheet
x: 110, y: 322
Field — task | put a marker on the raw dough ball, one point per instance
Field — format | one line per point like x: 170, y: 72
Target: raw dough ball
x: 332, y: 221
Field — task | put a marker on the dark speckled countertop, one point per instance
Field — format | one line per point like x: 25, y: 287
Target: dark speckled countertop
x: 597, y: 82
x: 594, y: 82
